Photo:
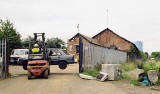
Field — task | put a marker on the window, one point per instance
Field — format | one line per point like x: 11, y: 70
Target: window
x: 58, y: 53
x: 26, y: 52
x: 77, y: 48
x: 55, y: 53
x: 70, y: 47
x: 18, y: 52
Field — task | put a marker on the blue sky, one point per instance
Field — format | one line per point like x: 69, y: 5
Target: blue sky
x: 132, y: 19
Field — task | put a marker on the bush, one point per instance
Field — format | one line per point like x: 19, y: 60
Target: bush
x: 156, y: 55
x: 159, y: 75
x: 128, y: 66
x: 139, y: 63
x: 135, y: 82
x: 150, y: 66
x: 143, y: 56
x: 158, y: 82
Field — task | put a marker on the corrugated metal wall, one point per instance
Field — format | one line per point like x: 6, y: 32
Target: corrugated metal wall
x: 93, y: 54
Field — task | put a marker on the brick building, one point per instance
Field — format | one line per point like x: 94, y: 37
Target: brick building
x: 73, y: 44
x: 106, y: 38
x: 110, y: 39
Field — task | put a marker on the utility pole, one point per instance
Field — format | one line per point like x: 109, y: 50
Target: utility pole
x: 78, y: 28
x: 107, y: 18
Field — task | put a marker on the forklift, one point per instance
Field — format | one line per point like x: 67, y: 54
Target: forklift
x: 38, y: 62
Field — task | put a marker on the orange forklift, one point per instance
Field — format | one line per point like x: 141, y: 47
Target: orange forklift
x: 38, y: 63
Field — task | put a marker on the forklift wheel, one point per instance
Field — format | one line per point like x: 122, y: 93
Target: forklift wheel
x: 29, y: 75
x: 48, y: 71
x: 45, y: 75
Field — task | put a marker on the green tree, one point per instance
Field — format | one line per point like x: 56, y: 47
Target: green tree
x: 7, y: 30
x: 143, y: 56
x: 133, y: 53
x: 155, y: 55
x: 55, y: 43
x: 25, y: 42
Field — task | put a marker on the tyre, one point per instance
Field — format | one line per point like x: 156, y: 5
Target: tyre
x: 48, y: 71
x: 25, y: 65
x: 45, y: 75
x: 62, y: 65
x: 29, y: 75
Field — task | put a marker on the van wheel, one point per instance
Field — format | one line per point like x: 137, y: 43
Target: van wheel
x: 29, y: 75
x: 62, y: 65
x: 45, y: 75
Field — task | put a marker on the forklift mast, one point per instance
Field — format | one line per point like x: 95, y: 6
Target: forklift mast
x: 36, y: 35
x: 42, y: 44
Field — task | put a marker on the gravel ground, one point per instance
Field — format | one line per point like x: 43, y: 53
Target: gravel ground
x: 65, y: 82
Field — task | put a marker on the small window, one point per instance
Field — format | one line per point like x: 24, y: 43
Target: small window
x: 70, y: 47
x: 77, y: 48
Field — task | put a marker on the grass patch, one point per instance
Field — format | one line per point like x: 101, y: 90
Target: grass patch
x: 9, y: 75
x: 135, y: 82
x: 128, y: 66
x: 91, y: 72
x: 125, y: 76
x: 98, y: 67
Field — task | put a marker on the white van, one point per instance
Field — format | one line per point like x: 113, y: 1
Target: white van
x: 18, y: 54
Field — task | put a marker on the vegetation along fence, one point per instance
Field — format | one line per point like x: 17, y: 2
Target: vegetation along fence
x: 3, y: 58
x: 94, y: 54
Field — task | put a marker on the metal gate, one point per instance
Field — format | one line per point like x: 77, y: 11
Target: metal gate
x: 80, y: 55
x: 4, y: 58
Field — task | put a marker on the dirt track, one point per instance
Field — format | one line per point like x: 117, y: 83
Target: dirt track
x: 64, y: 82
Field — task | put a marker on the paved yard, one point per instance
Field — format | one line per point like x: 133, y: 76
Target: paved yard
x: 65, y: 82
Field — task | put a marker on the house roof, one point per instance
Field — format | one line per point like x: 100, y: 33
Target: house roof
x: 107, y: 29
x: 91, y: 40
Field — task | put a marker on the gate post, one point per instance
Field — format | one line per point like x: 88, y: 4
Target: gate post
x: 7, y: 57
x: 80, y: 54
